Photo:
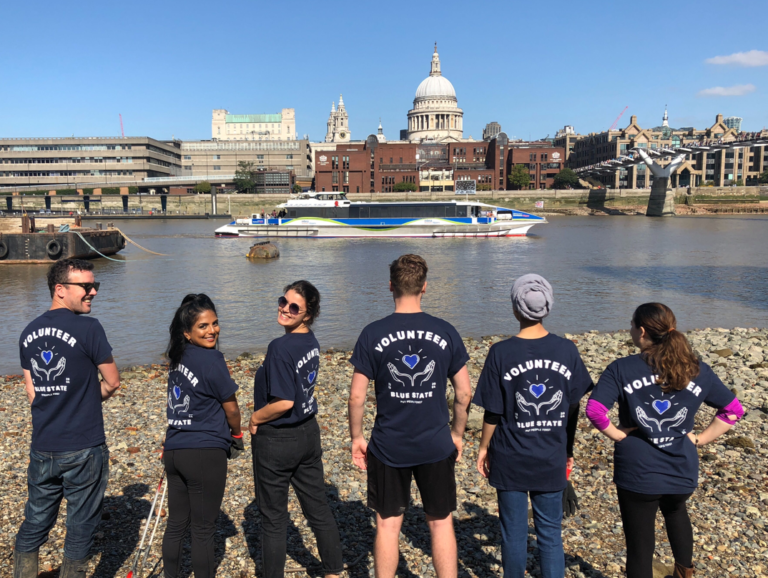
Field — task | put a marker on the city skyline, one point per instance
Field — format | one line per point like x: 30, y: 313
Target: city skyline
x: 577, y: 66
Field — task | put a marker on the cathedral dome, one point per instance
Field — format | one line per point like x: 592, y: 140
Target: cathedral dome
x: 435, y: 87
x: 435, y: 114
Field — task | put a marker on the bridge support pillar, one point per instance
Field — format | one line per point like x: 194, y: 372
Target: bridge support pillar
x: 214, y: 202
x: 661, y: 203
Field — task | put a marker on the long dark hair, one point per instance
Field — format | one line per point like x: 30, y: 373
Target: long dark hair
x: 185, y: 318
x: 311, y: 297
x: 670, y: 355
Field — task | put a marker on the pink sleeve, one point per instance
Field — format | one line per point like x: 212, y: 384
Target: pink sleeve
x: 597, y: 414
x: 730, y: 411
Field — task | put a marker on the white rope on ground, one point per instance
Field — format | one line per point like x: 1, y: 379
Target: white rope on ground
x: 95, y: 249
x: 136, y: 244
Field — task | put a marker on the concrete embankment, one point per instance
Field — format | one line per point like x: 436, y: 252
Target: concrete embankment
x: 728, y: 510
x: 580, y: 201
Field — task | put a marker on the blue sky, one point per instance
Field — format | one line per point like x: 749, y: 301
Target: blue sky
x: 71, y: 68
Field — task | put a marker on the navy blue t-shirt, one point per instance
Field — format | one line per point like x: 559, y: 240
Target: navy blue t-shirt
x: 196, y: 389
x: 658, y: 457
x: 289, y: 372
x: 62, y: 351
x: 410, y: 356
x: 531, y: 383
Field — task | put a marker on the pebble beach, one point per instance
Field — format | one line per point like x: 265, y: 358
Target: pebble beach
x: 729, y: 510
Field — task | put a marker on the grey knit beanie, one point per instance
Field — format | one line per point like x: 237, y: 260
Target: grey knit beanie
x: 532, y: 297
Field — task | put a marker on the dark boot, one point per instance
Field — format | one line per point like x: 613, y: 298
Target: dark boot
x: 73, y: 568
x: 682, y: 572
x: 25, y: 564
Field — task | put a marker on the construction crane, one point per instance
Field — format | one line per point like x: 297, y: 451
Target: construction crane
x: 618, y: 118
x: 123, y: 132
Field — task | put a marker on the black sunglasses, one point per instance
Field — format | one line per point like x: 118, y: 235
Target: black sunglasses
x: 293, y: 309
x: 86, y: 286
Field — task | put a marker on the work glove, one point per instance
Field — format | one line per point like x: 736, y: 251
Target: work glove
x: 570, y: 500
x: 237, y: 448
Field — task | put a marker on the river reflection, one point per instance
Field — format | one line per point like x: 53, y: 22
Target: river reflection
x: 712, y: 271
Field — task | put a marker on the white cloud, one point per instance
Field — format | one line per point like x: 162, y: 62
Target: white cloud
x: 738, y: 90
x: 749, y: 59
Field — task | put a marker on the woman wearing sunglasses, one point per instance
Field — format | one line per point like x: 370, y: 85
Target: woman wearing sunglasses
x: 286, y: 436
x: 203, y: 430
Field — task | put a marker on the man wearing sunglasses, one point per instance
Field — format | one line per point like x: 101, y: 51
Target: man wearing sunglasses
x: 410, y: 355
x: 62, y: 354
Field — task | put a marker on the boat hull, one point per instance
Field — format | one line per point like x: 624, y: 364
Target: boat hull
x: 312, y: 228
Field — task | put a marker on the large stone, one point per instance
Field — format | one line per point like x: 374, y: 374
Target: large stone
x: 740, y: 442
x: 475, y: 419
x: 263, y: 251
x: 723, y: 352
x: 662, y: 570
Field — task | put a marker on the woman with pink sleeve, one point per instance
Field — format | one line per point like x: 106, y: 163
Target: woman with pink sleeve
x: 656, y: 462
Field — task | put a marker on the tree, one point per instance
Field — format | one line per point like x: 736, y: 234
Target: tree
x: 203, y: 187
x: 296, y: 189
x: 566, y: 179
x: 404, y: 187
x: 245, y: 177
x: 519, y: 178
x: 763, y: 178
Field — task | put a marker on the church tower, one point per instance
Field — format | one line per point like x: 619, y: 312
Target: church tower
x: 338, y: 123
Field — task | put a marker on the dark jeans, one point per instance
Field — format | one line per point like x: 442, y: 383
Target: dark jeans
x: 196, y: 481
x: 547, y: 521
x: 80, y: 477
x: 292, y: 456
x: 638, y: 514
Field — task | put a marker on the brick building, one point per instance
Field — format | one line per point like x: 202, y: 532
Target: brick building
x: 373, y: 166
x: 542, y: 159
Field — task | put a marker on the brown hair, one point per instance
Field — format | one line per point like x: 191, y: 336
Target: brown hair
x: 670, y: 355
x: 408, y: 273
x: 59, y: 272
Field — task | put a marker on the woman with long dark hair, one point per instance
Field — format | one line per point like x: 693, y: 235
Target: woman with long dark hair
x: 656, y: 462
x: 203, y: 431
x: 286, y: 436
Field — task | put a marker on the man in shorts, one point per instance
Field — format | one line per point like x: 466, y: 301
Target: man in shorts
x: 62, y: 354
x: 410, y: 355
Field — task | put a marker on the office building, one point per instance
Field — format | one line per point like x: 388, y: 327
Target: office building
x: 83, y: 160
x: 719, y: 168
x: 212, y: 158
x: 374, y: 166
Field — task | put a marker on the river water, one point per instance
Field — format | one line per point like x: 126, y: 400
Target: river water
x: 712, y: 271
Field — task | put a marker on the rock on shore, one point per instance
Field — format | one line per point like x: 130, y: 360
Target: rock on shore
x: 728, y: 510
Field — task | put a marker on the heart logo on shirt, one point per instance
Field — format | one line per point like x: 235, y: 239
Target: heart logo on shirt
x: 47, y: 356
x: 661, y: 405
x: 176, y: 391
x: 537, y: 390
x: 311, y: 377
x: 411, y: 360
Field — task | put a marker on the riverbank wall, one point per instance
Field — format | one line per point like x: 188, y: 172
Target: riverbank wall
x: 728, y: 510
x: 566, y: 201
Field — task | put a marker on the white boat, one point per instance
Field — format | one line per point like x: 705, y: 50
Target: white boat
x: 330, y: 215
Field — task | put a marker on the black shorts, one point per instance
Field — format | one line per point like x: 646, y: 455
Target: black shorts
x: 389, y: 488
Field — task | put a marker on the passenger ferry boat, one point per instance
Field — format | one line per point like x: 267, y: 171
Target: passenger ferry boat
x: 328, y: 215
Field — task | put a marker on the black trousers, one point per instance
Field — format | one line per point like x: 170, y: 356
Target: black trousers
x: 638, y: 514
x: 292, y: 456
x: 196, y: 479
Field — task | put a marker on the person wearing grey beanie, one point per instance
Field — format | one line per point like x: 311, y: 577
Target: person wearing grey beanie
x: 530, y: 388
x: 532, y: 297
